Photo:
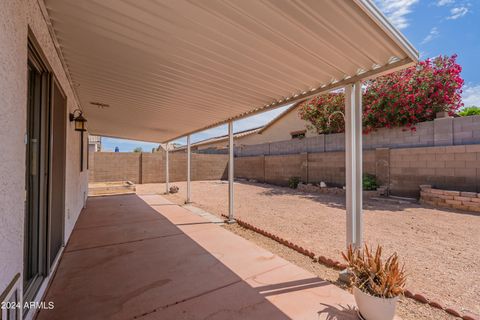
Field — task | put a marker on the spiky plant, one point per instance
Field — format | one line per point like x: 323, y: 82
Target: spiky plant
x: 372, y: 276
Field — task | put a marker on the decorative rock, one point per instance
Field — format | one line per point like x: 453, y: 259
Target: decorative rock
x: 330, y: 263
x: 453, y: 312
x: 323, y: 184
x: 420, y: 298
x: 470, y: 316
x: 407, y: 293
x: 435, y: 305
x: 322, y: 260
x: 345, y: 276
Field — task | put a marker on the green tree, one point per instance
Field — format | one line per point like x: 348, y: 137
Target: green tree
x: 138, y: 149
x: 469, y: 111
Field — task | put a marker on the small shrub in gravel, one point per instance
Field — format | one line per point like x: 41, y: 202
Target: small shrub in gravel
x: 293, y: 182
x: 370, y: 182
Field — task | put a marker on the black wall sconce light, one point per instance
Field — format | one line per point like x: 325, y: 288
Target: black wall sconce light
x: 80, y: 125
x: 80, y: 121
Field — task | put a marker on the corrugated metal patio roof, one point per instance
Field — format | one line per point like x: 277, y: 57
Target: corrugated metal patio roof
x: 169, y: 68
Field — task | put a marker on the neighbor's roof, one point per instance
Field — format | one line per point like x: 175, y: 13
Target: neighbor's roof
x: 164, y: 69
x: 216, y: 139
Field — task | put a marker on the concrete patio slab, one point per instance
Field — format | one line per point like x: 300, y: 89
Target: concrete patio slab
x: 178, y: 265
x: 93, y: 237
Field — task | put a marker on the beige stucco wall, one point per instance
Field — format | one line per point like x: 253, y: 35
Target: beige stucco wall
x: 16, y: 17
x: 279, y: 130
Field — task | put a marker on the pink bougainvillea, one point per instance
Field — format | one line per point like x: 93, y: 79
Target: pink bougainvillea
x: 400, y: 99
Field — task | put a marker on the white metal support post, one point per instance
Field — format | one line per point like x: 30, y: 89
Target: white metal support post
x: 167, y: 175
x: 189, y: 190
x: 353, y: 163
x: 231, y: 218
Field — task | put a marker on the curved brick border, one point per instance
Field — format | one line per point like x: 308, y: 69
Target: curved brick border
x: 340, y: 266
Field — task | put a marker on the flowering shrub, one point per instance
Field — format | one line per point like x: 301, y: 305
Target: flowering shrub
x: 399, y: 99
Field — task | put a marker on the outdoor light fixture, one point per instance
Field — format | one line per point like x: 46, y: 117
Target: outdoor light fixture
x: 80, y: 121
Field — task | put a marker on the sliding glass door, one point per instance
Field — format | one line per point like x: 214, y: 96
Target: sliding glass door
x: 45, y: 142
x: 36, y: 179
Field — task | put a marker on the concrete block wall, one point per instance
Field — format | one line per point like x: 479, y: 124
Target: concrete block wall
x: 288, y: 147
x: 466, y: 130
x: 402, y: 169
x: 252, y: 150
x: 150, y: 167
x: 326, y: 166
x: 449, y: 167
x: 310, y: 167
x: 440, y: 132
x: 209, y: 166
x: 153, y: 167
x: 278, y: 169
x: 250, y: 168
x: 177, y: 167
x: 115, y: 166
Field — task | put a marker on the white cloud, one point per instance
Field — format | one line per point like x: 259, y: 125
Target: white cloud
x: 442, y: 3
x: 471, y: 95
x: 434, y: 33
x: 397, y: 11
x: 457, y: 12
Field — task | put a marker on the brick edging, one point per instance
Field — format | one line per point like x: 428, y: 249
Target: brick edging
x: 340, y: 266
x: 462, y: 200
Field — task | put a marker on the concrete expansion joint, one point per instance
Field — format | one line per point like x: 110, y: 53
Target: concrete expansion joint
x: 187, y: 299
x: 340, y: 266
x: 125, y: 242
x: 115, y: 224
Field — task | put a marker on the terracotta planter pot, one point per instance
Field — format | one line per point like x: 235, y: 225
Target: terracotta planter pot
x: 374, y: 308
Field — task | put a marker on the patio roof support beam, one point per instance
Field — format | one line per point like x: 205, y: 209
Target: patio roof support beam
x: 189, y: 156
x: 167, y: 176
x: 231, y: 218
x: 353, y: 163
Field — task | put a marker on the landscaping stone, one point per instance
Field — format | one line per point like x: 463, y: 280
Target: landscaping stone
x: 345, y: 276
x: 420, y: 298
x: 453, y: 312
x: 462, y: 200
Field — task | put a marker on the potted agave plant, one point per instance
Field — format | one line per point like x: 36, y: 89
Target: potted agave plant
x: 377, y: 284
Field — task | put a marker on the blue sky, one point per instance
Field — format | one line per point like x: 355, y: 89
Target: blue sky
x: 433, y: 26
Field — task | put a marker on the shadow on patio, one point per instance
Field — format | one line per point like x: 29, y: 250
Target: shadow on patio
x: 141, y: 257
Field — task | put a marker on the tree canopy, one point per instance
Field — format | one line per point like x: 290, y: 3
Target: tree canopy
x: 399, y: 99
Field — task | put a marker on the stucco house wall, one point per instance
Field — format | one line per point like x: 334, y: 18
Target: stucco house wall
x: 280, y: 129
x: 18, y: 18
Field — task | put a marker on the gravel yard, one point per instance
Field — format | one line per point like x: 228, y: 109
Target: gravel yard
x: 440, y: 247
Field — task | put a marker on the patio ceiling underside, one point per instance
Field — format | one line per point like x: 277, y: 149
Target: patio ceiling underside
x: 169, y: 68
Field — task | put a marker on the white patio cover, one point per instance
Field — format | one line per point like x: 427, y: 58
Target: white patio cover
x: 167, y: 68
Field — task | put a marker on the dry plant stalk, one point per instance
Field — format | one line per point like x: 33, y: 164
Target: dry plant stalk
x: 372, y: 276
